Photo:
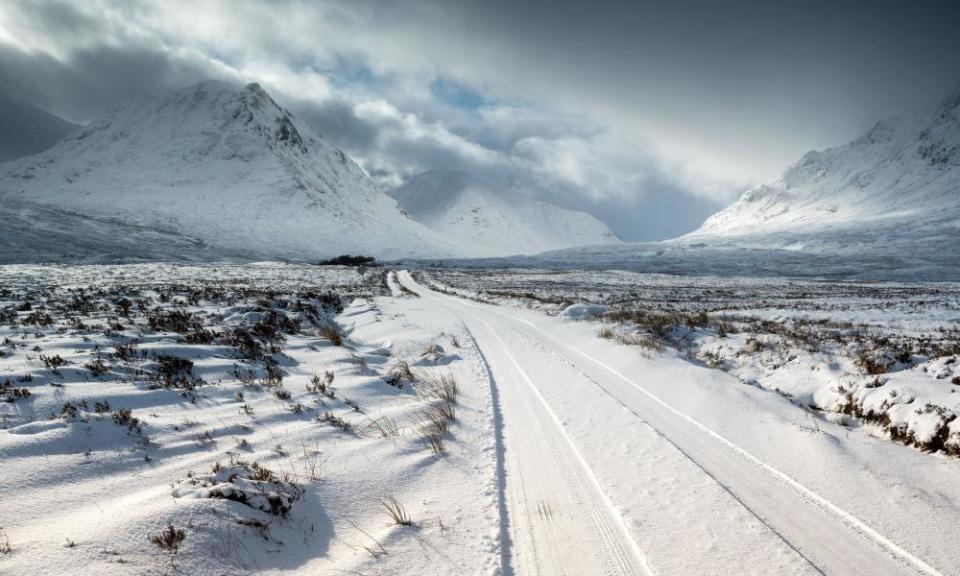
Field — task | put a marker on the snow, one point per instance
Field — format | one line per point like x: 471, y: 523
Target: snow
x: 495, y: 220
x: 218, y: 167
x: 568, y: 451
x: 581, y: 311
x: 709, y: 476
x: 257, y: 480
x: 734, y: 420
x: 883, y: 207
x: 880, y: 357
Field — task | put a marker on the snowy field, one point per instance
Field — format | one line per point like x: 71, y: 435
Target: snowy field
x: 276, y: 418
x: 272, y: 413
x: 878, y: 356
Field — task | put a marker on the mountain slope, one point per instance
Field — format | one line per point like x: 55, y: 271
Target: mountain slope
x: 883, y: 207
x: 904, y: 172
x: 492, y: 220
x: 224, y: 167
x: 26, y: 129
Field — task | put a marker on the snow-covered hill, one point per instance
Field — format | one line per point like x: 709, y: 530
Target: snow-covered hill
x: 885, y: 206
x: 494, y: 220
x: 903, y: 176
x: 221, y: 168
x: 26, y: 129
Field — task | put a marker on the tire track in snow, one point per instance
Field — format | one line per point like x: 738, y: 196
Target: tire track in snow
x: 679, y: 449
x: 506, y: 544
x: 808, y: 495
x: 550, y: 486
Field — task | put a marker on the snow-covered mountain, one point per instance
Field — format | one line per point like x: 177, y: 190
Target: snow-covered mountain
x: 26, y: 129
x: 885, y: 206
x: 902, y: 177
x: 494, y: 220
x: 210, y: 169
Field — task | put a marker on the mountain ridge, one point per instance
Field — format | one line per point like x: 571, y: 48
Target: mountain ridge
x: 26, y: 129
x: 223, y: 164
x: 905, y: 168
x: 885, y: 206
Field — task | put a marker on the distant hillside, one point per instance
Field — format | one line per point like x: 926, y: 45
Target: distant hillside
x: 903, y: 176
x: 26, y: 129
x: 493, y: 220
x: 885, y: 206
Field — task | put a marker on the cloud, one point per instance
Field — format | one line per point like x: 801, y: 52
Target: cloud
x: 649, y: 115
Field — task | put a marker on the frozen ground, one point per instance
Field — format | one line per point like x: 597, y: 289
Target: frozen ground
x: 881, y: 357
x: 214, y: 398
x: 910, y: 252
x: 235, y: 416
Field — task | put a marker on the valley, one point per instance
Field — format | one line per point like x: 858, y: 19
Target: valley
x: 289, y: 417
x: 479, y: 288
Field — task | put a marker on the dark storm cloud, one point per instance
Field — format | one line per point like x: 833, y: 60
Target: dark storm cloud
x: 649, y: 115
x: 764, y: 79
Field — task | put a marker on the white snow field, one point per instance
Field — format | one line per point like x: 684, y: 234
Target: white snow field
x: 210, y: 419
x: 492, y: 219
x: 877, y: 356
x: 274, y: 412
x: 708, y: 476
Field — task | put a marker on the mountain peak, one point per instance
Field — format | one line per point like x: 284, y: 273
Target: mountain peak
x: 224, y: 163
x: 904, y: 170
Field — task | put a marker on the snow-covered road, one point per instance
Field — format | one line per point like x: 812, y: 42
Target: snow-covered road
x: 599, y: 466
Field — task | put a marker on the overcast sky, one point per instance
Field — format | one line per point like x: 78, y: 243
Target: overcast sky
x: 650, y: 116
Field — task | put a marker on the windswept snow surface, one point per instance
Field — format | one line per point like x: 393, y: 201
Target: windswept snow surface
x: 218, y: 164
x: 137, y: 396
x: 492, y: 219
x: 882, y: 359
x: 848, y: 255
x: 707, y: 476
x: 145, y: 424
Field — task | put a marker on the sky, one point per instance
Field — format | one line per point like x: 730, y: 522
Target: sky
x: 651, y: 116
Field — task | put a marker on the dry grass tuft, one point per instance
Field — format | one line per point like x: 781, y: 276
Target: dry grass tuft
x: 440, y: 387
x: 396, y: 511
x: 385, y: 427
x: 333, y: 333
x: 402, y: 371
x: 4, y: 543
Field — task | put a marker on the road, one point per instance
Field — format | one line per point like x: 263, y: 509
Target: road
x: 562, y: 521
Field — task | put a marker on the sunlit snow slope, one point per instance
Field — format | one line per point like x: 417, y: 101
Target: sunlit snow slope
x: 494, y: 220
x: 218, y: 164
x: 901, y: 179
x: 885, y: 206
